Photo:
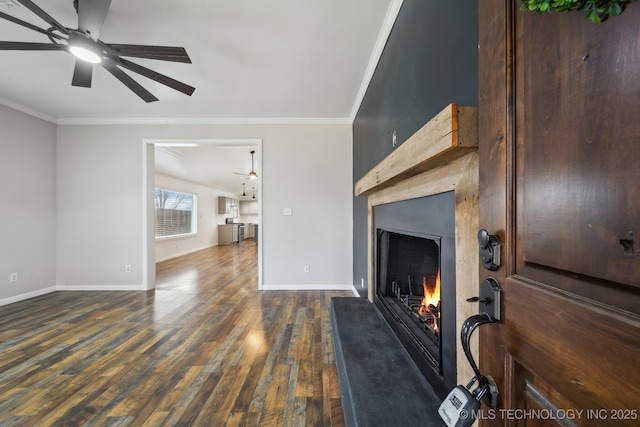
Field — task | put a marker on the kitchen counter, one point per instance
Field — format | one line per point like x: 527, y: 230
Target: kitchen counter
x: 236, y: 232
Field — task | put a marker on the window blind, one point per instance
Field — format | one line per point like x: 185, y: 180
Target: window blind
x: 175, y: 213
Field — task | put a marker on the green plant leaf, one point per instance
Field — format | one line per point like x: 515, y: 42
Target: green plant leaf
x: 614, y: 9
x: 593, y: 17
x: 597, y: 10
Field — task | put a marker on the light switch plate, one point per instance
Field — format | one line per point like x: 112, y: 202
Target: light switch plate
x: 287, y: 212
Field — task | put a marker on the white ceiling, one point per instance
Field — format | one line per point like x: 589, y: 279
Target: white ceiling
x: 215, y: 164
x: 253, y: 61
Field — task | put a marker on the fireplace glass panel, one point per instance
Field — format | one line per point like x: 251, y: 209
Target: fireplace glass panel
x: 409, y: 285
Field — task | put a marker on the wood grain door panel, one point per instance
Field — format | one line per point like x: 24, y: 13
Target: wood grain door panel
x: 578, y: 100
x: 559, y: 148
x: 578, y: 348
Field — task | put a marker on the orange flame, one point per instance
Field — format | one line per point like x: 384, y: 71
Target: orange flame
x: 431, y: 297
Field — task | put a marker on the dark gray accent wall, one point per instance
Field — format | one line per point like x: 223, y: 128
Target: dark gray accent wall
x: 430, y: 60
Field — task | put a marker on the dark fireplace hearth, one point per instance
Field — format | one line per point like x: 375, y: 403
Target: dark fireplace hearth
x: 415, y: 282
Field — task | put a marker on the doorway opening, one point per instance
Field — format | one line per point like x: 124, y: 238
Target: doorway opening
x: 207, y: 166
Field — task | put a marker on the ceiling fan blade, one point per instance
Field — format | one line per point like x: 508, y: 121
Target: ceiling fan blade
x: 163, y: 53
x: 82, y: 74
x: 130, y: 83
x: 31, y: 46
x: 43, y: 15
x: 91, y: 16
x: 160, y: 78
x: 31, y: 26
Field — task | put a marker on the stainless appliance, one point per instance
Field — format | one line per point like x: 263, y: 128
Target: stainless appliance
x: 240, y: 232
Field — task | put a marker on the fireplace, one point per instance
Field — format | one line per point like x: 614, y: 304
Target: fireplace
x: 427, y: 188
x: 415, y: 281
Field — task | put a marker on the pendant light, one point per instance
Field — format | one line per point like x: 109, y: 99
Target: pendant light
x: 244, y: 194
x: 254, y: 192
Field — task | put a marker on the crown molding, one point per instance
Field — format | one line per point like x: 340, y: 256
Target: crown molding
x: 82, y: 121
x: 30, y: 111
x: 205, y: 121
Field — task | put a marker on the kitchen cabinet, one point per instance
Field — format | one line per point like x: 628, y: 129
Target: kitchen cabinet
x: 251, y: 232
x: 248, y: 207
x: 228, y: 234
x: 228, y: 206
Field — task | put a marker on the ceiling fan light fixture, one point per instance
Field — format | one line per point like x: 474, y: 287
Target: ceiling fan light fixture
x: 252, y: 174
x: 84, y: 43
x: 84, y: 48
x: 85, y: 54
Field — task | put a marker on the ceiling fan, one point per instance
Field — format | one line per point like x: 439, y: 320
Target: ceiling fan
x: 84, y: 43
x: 252, y: 174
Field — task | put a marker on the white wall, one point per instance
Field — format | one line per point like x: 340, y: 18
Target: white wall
x: 99, y: 189
x: 100, y: 199
x: 309, y: 173
x: 208, y: 218
x: 27, y: 218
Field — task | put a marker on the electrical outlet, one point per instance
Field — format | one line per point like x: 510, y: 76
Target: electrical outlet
x: 13, y: 277
x: 127, y: 268
x: 394, y: 139
x: 307, y: 268
x: 362, y: 282
x: 287, y: 212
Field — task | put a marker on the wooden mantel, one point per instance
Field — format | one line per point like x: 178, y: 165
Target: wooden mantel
x: 440, y: 157
x: 449, y: 135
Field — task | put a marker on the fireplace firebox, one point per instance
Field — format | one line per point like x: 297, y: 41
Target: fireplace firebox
x: 409, y: 286
x: 415, y: 282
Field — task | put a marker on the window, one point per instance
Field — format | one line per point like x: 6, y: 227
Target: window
x: 175, y: 213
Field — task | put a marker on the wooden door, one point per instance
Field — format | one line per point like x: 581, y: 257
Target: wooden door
x: 560, y: 187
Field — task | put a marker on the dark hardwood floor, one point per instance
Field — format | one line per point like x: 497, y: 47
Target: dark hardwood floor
x: 206, y: 348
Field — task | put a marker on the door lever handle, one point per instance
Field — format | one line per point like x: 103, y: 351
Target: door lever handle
x: 489, y: 298
x: 477, y: 299
x: 487, y: 391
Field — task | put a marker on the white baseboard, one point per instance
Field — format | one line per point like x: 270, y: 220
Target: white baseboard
x: 101, y: 288
x: 64, y: 288
x: 310, y: 288
x: 28, y: 295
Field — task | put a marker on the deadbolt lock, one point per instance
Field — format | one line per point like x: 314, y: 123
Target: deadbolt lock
x: 489, y: 250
